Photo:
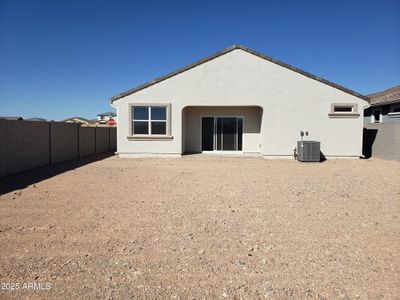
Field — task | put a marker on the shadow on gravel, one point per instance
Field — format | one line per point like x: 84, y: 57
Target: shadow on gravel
x: 19, y: 181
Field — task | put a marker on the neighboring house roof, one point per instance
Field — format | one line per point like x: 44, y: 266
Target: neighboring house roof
x: 12, y: 118
x: 36, y: 119
x: 110, y: 113
x: 227, y: 50
x: 77, y: 118
x: 388, y: 96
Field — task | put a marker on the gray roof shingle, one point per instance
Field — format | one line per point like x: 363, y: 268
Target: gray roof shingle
x: 388, y: 96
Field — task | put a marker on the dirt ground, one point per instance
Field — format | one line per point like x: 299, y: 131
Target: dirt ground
x: 202, y: 227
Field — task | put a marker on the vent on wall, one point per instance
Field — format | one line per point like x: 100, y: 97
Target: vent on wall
x: 308, y: 151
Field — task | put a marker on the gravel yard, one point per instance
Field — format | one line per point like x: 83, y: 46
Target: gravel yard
x: 204, y: 227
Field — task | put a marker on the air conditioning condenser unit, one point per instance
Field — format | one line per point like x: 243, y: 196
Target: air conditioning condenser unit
x: 308, y: 151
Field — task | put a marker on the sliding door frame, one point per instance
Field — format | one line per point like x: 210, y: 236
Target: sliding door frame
x: 215, y: 133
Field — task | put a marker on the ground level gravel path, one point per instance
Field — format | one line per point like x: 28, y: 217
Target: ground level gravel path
x: 203, y: 227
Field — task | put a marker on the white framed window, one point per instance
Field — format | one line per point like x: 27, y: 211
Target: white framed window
x: 376, y: 115
x: 149, y: 121
x: 344, y: 110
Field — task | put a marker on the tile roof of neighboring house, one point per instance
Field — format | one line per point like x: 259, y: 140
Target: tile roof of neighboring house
x: 18, y: 118
x: 388, y: 96
x: 109, y: 113
x: 227, y: 50
x: 79, y: 118
x: 36, y: 119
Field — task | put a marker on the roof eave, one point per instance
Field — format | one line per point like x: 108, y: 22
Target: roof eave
x: 385, y: 103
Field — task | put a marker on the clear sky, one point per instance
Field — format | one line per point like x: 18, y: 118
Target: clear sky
x: 67, y: 58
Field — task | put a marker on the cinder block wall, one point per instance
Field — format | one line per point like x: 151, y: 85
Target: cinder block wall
x: 102, y: 139
x: 87, y: 144
x: 113, y: 139
x: 382, y: 140
x: 26, y: 145
x: 64, y: 142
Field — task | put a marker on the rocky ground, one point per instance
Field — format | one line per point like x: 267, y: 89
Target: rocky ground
x: 202, y: 227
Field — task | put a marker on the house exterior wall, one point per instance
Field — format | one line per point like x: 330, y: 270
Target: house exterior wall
x: 291, y: 102
x: 383, y: 140
x: 387, y: 116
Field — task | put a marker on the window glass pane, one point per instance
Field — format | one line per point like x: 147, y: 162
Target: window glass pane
x: 343, y: 108
x: 159, y: 113
x: 140, y: 127
x: 219, y: 133
x: 207, y: 134
x: 140, y: 112
x: 229, y: 134
x: 240, y: 133
x: 158, y: 127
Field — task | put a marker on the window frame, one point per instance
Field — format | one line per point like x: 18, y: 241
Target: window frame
x: 392, y: 113
x: 149, y: 135
x: 344, y: 114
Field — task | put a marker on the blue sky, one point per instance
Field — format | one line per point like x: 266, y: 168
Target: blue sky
x: 65, y: 58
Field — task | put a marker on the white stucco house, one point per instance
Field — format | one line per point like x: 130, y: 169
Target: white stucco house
x: 238, y: 101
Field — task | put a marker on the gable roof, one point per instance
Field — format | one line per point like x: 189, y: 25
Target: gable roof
x: 76, y: 118
x: 388, y: 96
x: 225, y: 51
x: 109, y: 113
x: 36, y: 119
x: 11, y: 118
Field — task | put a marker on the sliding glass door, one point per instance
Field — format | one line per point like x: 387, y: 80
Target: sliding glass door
x: 207, y: 134
x: 226, y: 133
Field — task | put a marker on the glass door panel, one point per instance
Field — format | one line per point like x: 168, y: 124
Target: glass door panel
x: 219, y: 133
x: 207, y: 134
x: 240, y: 133
x: 229, y: 129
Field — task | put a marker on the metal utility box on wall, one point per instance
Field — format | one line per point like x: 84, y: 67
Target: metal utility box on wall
x: 308, y: 151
